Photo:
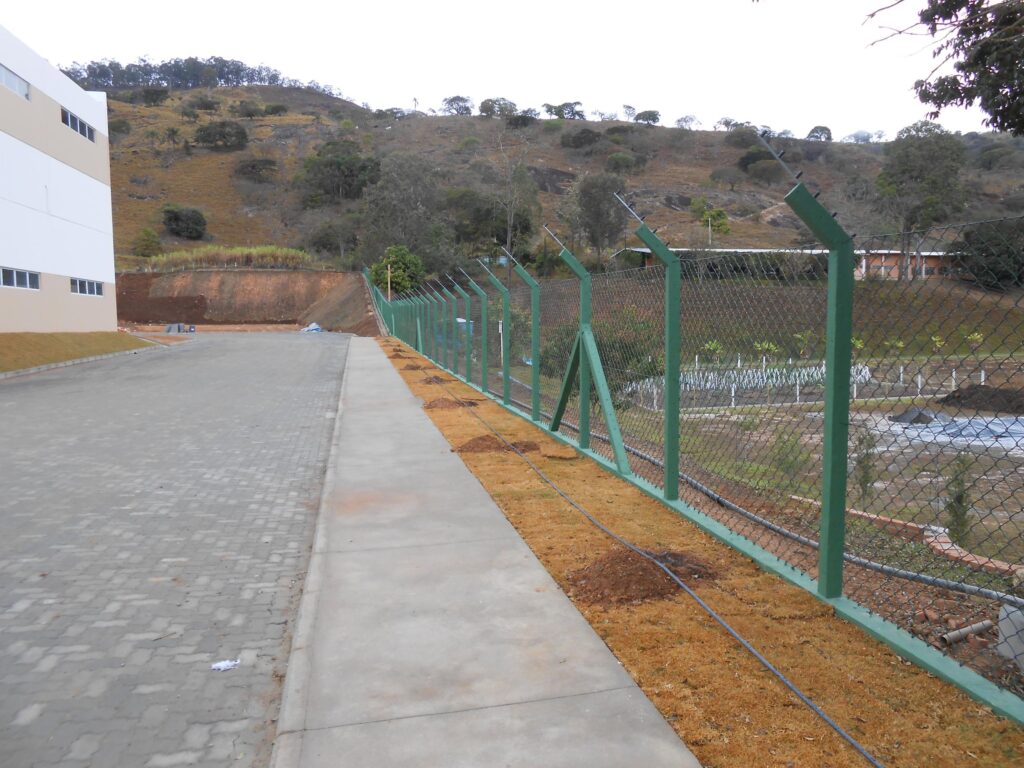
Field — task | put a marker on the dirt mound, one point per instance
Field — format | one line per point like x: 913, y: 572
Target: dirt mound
x: 446, y: 403
x: 983, y: 397
x: 336, y: 300
x: 492, y: 444
x: 414, y: 367
x: 436, y: 380
x: 623, y: 576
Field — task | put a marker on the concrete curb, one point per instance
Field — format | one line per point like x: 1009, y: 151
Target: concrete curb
x: 77, y: 360
x: 292, y: 717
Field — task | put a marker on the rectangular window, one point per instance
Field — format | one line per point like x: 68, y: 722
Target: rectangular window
x: 78, y: 125
x: 17, y: 84
x: 19, y: 278
x: 86, y: 287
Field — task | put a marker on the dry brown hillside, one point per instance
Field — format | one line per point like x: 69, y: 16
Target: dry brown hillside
x: 153, y: 166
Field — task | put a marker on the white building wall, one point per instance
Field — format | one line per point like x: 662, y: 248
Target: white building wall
x: 28, y: 64
x: 54, y: 219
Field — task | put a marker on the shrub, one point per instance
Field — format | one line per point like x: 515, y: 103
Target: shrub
x: 753, y: 155
x: 337, y: 171
x: 262, y: 170
x: 118, y: 127
x: 767, y: 171
x: 741, y: 138
x: 520, y: 121
x: 584, y: 137
x: 225, y: 135
x: 154, y: 97
x: 619, y: 130
x: 333, y: 237
x: 147, y: 244
x: 275, y: 109
x: 552, y: 126
x: 407, y: 270
x: 247, y: 109
x: 204, y: 103
x: 188, y: 223
x: 958, y: 499
x: 620, y: 162
x: 864, y: 448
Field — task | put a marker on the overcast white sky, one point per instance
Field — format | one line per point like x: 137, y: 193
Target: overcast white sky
x: 785, y: 63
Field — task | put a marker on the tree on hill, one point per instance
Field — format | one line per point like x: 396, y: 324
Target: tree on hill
x: 567, y: 110
x: 706, y: 212
x: 457, y: 105
x: 111, y: 75
x: 648, y: 117
x: 820, y: 133
x: 919, y: 184
x: 687, y: 122
x: 188, y: 223
x: 336, y: 172
x: 629, y: 111
x: 727, y: 175
x: 225, y: 135
x: 600, y: 214
x: 498, y: 107
x: 992, y: 253
x: 406, y: 206
x: 407, y: 270
x: 985, y: 42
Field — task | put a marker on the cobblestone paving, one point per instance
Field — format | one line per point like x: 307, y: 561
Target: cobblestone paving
x: 156, y: 515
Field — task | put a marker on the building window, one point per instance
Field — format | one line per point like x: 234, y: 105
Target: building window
x: 86, y: 287
x: 19, y: 278
x: 17, y: 84
x: 76, y: 124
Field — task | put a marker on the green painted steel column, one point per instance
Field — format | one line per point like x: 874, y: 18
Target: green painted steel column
x: 468, y: 373
x: 584, y: 363
x: 527, y: 278
x: 673, y: 337
x: 452, y: 357
x: 439, y: 327
x: 482, y: 295
x: 838, y: 358
x: 506, y: 333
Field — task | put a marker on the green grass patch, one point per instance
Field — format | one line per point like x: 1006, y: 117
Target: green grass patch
x: 28, y: 350
x: 214, y: 256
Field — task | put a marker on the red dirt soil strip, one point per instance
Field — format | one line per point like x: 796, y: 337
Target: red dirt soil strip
x: 338, y: 301
x: 447, y: 403
x: 624, y: 577
x: 492, y: 444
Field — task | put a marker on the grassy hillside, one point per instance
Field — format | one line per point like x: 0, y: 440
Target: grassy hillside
x: 151, y: 167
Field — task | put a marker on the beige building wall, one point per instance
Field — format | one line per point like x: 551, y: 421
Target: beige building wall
x: 55, y: 308
x: 36, y: 122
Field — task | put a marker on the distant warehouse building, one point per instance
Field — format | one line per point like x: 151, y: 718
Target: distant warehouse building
x: 57, y: 248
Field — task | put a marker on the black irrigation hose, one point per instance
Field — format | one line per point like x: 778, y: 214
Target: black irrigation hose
x: 862, y: 751
x: 871, y: 565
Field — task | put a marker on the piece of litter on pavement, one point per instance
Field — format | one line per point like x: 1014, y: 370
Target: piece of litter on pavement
x: 224, y: 666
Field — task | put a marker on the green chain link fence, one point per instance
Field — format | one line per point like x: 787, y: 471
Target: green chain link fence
x: 856, y: 414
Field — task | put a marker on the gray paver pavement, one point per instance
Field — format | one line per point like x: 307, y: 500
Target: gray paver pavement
x: 156, y: 515
x: 429, y: 634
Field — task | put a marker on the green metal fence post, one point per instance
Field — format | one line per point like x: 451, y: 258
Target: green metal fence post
x: 838, y: 351
x: 673, y: 277
x: 505, y: 334
x: 453, y: 336
x: 468, y: 372
x: 527, y: 278
x: 586, y: 360
x: 482, y: 295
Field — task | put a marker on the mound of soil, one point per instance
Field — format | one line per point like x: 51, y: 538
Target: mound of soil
x: 983, y: 397
x: 491, y: 444
x: 446, y: 403
x: 414, y: 367
x: 623, y: 576
x: 436, y: 380
x: 338, y: 301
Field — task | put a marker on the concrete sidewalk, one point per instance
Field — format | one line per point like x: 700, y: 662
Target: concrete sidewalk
x: 429, y: 634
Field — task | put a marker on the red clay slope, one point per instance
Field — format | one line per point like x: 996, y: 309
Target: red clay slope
x: 338, y: 301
